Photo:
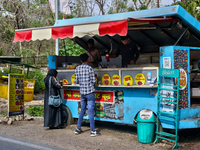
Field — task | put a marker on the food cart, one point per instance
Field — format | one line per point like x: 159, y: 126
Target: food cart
x: 167, y: 37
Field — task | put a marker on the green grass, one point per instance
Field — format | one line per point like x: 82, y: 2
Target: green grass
x: 36, y: 111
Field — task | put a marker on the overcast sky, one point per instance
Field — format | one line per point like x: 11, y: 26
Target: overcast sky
x: 167, y: 2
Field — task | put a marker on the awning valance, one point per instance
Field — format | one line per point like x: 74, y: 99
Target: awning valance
x: 104, y: 28
x: 54, y: 32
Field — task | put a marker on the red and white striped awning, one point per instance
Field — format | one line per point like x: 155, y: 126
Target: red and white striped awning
x: 54, y: 32
x: 101, y: 29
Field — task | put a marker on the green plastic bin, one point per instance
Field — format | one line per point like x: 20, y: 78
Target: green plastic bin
x: 145, y: 126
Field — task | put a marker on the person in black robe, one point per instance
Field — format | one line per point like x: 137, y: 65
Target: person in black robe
x: 53, y: 116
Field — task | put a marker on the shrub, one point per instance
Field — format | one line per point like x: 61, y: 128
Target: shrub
x: 14, y: 69
x: 36, y: 111
x: 39, y: 82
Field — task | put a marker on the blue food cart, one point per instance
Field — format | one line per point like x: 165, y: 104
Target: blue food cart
x: 167, y: 37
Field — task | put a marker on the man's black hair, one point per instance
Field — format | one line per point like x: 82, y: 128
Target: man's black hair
x: 124, y: 37
x: 84, y: 57
x: 90, y: 41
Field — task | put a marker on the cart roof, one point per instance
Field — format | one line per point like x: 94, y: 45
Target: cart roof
x: 149, y: 29
x: 12, y: 61
x: 11, y: 58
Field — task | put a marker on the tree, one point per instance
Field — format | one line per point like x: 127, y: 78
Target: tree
x: 145, y: 4
x: 118, y: 6
x: 101, y: 4
x: 193, y: 7
x: 20, y: 14
x: 82, y: 8
x: 70, y: 49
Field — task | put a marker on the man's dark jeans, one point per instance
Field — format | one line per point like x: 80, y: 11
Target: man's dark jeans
x: 90, y: 99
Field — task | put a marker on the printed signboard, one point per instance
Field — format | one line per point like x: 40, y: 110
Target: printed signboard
x: 100, y: 96
x: 29, y: 85
x: 109, y: 111
x: 140, y: 79
x: 128, y: 80
x: 16, y: 94
x: 168, y: 107
x: 181, y: 58
x: 167, y: 62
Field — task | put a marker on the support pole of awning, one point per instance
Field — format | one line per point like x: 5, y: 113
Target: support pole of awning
x: 56, y: 18
x: 181, y: 36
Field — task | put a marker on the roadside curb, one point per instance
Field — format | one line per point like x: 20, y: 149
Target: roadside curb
x: 9, y: 121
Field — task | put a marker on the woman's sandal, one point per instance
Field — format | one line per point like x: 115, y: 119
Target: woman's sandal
x: 58, y: 127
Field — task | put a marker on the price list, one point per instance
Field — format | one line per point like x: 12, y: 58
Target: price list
x: 16, y: 94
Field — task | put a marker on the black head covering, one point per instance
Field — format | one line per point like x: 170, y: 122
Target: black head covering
x: 52, y: 72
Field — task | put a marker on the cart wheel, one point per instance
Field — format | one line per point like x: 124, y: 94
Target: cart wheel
x: 67, y: 116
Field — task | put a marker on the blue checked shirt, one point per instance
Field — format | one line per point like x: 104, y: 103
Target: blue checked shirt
x: 84, y: 76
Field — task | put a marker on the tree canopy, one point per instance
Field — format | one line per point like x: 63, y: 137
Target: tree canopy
x: 21, y: 14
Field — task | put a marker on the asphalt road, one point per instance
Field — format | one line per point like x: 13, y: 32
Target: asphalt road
x: 14, y: 143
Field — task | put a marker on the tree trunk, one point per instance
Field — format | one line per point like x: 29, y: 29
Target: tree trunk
x: 28, y: 3
x: 101, y: 4
x: 158, y: 5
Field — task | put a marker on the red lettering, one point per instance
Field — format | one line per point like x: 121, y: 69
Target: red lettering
x: 28, y: 92
x: 106, y: 77
x: 128, y: 78
x: 30, y: 85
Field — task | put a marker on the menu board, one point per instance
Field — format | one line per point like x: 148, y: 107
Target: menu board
x: 16, y: 94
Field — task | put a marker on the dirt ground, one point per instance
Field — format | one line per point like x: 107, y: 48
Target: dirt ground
x: 114, y: 136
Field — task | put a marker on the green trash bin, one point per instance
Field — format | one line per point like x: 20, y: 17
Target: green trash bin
x: 145, y: 126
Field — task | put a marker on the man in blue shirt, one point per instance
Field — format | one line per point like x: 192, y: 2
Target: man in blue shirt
x: 85, y: 77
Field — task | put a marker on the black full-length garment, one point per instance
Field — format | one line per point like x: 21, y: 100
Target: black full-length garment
x: 53, y: 116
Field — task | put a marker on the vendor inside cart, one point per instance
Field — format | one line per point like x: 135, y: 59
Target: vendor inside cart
x: 128, y: 50
x: 93, y: 53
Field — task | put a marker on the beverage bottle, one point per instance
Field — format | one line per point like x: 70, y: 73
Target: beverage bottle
x: 107, y: 57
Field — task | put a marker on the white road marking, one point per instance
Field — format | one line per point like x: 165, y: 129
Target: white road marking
x: 24, y: 143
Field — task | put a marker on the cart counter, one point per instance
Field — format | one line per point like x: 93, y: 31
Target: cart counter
x: 120, y: 93
x: 140, y: 77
